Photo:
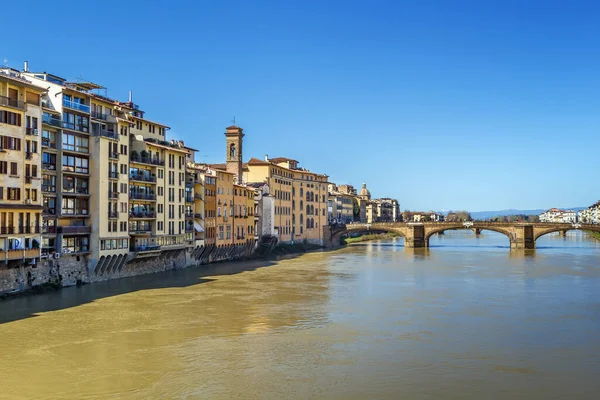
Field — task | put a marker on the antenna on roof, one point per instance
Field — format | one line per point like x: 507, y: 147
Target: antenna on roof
x: 5, y: 64
x: 233, y: 120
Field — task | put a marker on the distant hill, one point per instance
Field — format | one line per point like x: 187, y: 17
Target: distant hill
x: 501, y: 213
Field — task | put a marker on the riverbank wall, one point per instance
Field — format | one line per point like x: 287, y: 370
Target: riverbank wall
x: 70, y: 270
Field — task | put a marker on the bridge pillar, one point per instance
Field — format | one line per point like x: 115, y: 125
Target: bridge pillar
x: 477, y: 231
x: 415, y: 237
x: 563, y: 233
x: 523, y: 237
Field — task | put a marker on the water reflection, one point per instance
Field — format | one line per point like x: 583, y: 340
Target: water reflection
x: 373, y: 320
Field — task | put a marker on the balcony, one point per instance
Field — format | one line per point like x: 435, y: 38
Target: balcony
x: 47, y: 143
x: 113, y: 214
x: 142, y: 178
x: 145, y: 248
x: 31, y: 131
x: 113, y: 195
x: 142, y: 214
x: 189, y: 199
x: 48, y: 189
x: 75, y: 127
x: 146, y: 160
x: 198, y: 216
x: 113, y: 154
x: 198, y: 196
x: 113, y: 174
x: 48, y: 229
x: 28, y: 179
x: 75, y: 191
x: 51, y: 120
x: 189, y: 214
x: 14, y: 103
x: 75, y: 250
x: 71, y: 212
x: 107, y: 134
x: 49, y: 167
x: 75, y: 230
x: 140, y: 230
x: 49, y: 211
x: 7, y: 230
x: 76, y: 106
x: 142, y: 196
x: 29, y: 155
x: 100, y: 116
x: 28, y: 229
x: 189, y: 228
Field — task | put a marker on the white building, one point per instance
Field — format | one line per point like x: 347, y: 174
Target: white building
x: 591, y: 215
x: 554, y: 215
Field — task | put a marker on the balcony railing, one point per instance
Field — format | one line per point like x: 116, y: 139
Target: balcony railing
x: 100, y: 116
x: 7, y: 230
x: 28, y: 229
x: 113, y: 154
x: 28, y: 179
x: 47, y: 143
x: 189, y: 214
x: 75, y: 249
x: 113, y: 195
x: 75, y: 230
x: 198, y: 216
x: 105, y: 133
x: 79, y: 190
x: 140, y: 229
x: 28, y: 155
x: 76, y: 106
x: 48, y: 188
x: 147, y: 160
x: 113, y: 214
x: 189, y: 228
x: 51, y: 167
x: 142, y: 214
x: 48, y: 229
x: 142, y: 177
x: 145, y: 248
x: 7, y: 101
x: 189, y: 199
x: 142, y: 196
x: 113, y: 174
x: 51, y: 120
x: 75, y: 127
x: 49, y: 211
x: 31, y: 131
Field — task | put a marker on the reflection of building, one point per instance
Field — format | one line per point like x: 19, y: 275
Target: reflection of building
x: 558, y: 216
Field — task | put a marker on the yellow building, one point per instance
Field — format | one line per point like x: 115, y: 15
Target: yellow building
x: 225, y: 209
x: 300, y: 195
x: 20, y: 169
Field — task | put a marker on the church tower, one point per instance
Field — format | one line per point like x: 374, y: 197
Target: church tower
x: 234, y: 137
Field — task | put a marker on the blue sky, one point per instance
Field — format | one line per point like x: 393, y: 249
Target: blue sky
x: 472, y: 105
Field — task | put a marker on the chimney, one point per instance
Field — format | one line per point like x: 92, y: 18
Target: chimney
x: 130, y: 96
x: 25, y: 66
x: 266, y: 157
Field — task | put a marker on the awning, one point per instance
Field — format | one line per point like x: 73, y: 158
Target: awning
x: 198, y: 227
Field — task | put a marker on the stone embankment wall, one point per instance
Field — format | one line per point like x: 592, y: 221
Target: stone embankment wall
x: 71, y: 270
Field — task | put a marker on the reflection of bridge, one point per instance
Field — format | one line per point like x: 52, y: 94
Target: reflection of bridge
x: 417, y: 234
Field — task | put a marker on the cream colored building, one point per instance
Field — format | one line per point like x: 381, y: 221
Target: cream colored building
x: 20, y: 169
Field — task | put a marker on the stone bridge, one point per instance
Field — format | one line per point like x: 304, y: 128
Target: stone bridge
x: 417, y: 234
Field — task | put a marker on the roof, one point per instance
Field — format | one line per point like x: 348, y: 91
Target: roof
x: 221, y: 166
x: 21, y: 81
x: 278, y: 160
x: 256, y: 161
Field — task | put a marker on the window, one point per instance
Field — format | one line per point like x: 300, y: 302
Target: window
x: 75, y: 122
x: 228, y: 231
x: 10, y: 143
x: 10, y: 118
x: 13, y: 168
x: 13, y: 193
x: 75, y: 143
x: 221, y: 232
x: 49, y: 139
x: 75, y: 164
x: 48, y: 183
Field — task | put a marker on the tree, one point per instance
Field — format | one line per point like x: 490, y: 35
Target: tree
x: 356, y: 209
x: 407, y: 216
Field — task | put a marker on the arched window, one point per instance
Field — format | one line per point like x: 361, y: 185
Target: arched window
x: 301, y: 219
x: 232, y: 151
x: 307, y: 209
x: 301, y: 205
x: 301, y: 192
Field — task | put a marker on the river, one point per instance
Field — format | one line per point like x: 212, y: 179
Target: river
x: 465, y: 319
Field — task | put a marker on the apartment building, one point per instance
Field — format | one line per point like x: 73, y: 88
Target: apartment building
x: 340, y: 205
x: 112, y: 185
x: 224, y: 220
x: 554, y: 215
x: 20, y: 169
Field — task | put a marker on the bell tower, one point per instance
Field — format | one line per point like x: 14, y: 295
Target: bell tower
x: 233, y: 141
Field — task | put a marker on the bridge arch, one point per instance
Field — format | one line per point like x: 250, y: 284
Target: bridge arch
x: 433, y: 231
x: 337, y: 235
x: 542, y: 232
